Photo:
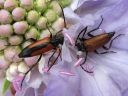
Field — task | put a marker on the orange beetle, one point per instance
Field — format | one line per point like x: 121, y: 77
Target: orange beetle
x: 93, y: 43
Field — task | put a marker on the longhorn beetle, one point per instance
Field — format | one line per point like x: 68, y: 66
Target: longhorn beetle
x: 93, y: 43
x: 44, y: 45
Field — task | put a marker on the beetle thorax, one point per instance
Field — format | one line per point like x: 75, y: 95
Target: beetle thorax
x: 57, y: 40
x: 80, y: 46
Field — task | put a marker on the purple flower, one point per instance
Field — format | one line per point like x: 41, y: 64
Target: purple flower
x: 110, y: 70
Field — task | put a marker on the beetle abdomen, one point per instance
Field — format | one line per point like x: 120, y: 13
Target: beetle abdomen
x: 98, y: 41
x: 43, y: 50
x: 37, y: 48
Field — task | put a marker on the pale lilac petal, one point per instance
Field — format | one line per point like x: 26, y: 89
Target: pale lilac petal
x: 35, y: 79
x: 69, y: 87
x: 31, y: 60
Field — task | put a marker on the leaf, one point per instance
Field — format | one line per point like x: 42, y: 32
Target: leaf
x: 5, y: 86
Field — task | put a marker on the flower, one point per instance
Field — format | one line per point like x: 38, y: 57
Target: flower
x: 110, y: 70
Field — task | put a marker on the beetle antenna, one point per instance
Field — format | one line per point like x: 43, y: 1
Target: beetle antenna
x: 49, y: 31
x: 83, y: 30
x: 63, y: 14
x: 51, y: 58
x: 107, y: 48
x: 81, y: 65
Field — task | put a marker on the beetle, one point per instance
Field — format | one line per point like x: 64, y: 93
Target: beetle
x: 94, y: 42
x: 39, y: 47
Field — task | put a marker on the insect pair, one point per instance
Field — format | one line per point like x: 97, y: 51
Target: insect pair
x: 84, y: 45
x: 53, y: 43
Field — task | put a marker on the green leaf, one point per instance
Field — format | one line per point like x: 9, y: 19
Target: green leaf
x: 5, y: 86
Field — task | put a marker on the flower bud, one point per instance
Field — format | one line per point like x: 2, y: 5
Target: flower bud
x: 31, y: 60
x: 6, y: 30
x: 41, y: 5
x: 3, y: 62
x: 11, y: 54
x: 56, y: 7
x: 13, y: 69
x: 3, y: 44
x: 32, y: 16
x: 18, y: 14
x: 44, y: 33
x: 27, y: 4
x: 58, y: 24
x: 51, y: 15
x: 41, y: 24
x: 20, y: 27
x: 10, y: 4
x: 32, y: 33
x: 65, y: 3
x: 22, y: 67
x: 15, y: 40
x: 2, y: 3
x: 25, y: 44
x: 9, y: 77
x: 5, y: 17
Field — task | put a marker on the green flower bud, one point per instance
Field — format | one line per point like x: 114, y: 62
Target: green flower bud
x: 25, y: 44
x: 58, y: 24
x: 46, y: 33
x: 51, y: 15
x: 32, y: 33
x: 56, y: 7
x: 65, y: 3
x: 41, y: 5
x: 32, y: 16
x: 41, y: 24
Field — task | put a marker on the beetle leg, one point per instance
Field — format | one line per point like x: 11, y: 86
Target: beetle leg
x: 107, y: 48
x: 104, y: 52
x: 86, y: 70
x: 81, y: 65
x: 85, y: 59
x: 63, y: 14
x: 50, y: 32
x: 89, y: 33
x: 51, y: 57
x: 54, y: 60
x: 61, y: 53
x: 30, y: 70
x: 83, y: 30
